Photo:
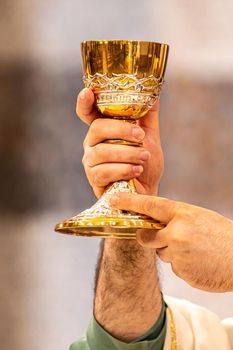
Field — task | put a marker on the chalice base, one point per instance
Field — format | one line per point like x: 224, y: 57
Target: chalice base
x: 101, y: 220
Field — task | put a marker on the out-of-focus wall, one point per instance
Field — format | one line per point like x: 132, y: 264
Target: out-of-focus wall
x: 40, y: 72
x: 47, y: 279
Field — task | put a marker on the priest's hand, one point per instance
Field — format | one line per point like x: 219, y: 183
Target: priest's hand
x: 105, y: 163
x: 197, y: 242
x: 127, y: 291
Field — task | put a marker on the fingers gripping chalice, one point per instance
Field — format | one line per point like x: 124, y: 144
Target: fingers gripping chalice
x: 126, y: 78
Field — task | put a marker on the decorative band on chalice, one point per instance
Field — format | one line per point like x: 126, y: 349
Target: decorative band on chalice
x: 116, y: 98
x: 124, y: 88
x: 126, y: 78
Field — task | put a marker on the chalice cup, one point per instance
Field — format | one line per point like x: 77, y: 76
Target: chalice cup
x: 126, y: 78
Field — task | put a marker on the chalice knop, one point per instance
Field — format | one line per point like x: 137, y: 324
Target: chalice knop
x: 126, y: 78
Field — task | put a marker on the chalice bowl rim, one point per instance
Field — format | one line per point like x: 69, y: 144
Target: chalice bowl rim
x: 101, y: 220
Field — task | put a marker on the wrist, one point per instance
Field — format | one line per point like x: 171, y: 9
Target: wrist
x: 127, y: 289
x: 127, y: 251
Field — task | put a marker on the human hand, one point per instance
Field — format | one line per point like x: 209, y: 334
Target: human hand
x: 197, y: 242
x: 106, y: 163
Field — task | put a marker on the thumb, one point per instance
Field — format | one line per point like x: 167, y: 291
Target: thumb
x: 85, y: 107
x: 158, y: 208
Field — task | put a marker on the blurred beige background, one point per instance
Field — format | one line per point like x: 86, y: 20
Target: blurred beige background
x: 47, y: 279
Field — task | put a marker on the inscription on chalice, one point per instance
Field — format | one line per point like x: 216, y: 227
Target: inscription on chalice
x: 124, y: 98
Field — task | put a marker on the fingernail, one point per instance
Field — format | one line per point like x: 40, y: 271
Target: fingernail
x: 138, y: 133
x: 137, y: 169
x: 82, y: 94
x: 145, y: 155
x: 114, y: 200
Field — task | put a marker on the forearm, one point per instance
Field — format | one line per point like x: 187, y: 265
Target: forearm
x: 127, y: 299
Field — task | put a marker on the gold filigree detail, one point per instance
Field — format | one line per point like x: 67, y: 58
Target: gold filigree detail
x: 124, y: 82
x: 126, y: 78
x: 101, y: 220
x: 102, y: 206
x: 124, y: 90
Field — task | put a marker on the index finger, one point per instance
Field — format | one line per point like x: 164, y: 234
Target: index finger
x: 158, y: 208
x: 85, y: 107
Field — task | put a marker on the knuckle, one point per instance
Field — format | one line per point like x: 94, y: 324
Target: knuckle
x: 97, y: 124
x: 176, y: 237
x: 97, y: 152
x: 149, y: 205
x: 97, y: 127
x: 87, y: 158
x: 179, y: 236
x: 184, y: 213
x: 127, y: 171
x: 125, y: 129
x: 97, y: 179
x: 134, y: 154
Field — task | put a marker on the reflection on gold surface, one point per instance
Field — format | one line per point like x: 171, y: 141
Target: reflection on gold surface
x: 126, y: 78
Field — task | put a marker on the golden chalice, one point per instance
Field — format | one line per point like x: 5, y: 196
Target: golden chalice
x: 126, y: 78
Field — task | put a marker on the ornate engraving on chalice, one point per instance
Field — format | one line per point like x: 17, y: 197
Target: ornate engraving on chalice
x: 111, y: 90
x: 126, y: 78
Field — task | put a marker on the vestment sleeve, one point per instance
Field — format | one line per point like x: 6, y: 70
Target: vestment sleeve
x: 97, y: 338
x: 228, y: 325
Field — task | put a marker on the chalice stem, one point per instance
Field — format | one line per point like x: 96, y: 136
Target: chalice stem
x: 126, y: 78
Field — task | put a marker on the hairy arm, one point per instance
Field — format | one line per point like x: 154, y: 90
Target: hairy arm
x: 127, y: 298
x: 127, y: 294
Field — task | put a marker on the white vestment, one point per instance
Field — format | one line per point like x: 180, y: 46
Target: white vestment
x: 197, y: 328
